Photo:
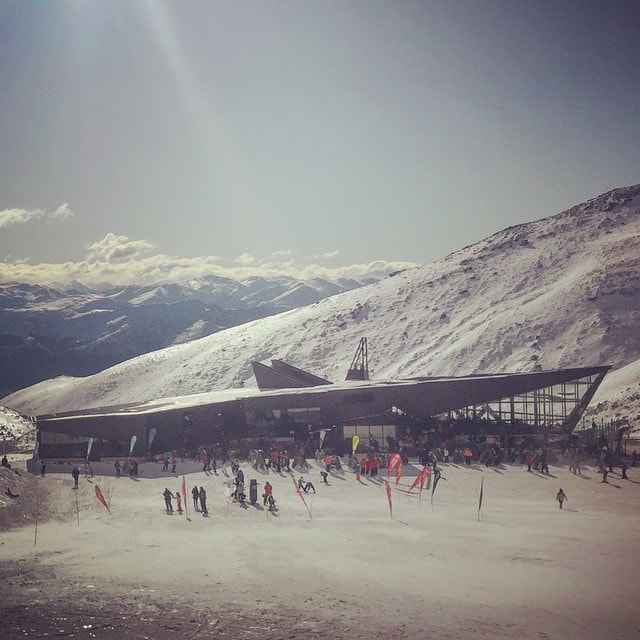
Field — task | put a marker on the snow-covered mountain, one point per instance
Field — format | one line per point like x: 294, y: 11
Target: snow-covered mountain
x: 559, y: 292
x: 74, y: 330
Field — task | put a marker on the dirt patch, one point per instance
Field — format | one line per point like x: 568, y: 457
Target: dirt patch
x: 37, y: 603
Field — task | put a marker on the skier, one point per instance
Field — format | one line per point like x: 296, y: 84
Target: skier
x: 203, y: 501
x: 305, y: 486
x: 268, y: 491
x: 167, y: 500
x: 196, y: 496
x: 179, y: 502
x: 561, y: 496
x: 174, y: 462
x: 240, y: 495
x: 117, y: 467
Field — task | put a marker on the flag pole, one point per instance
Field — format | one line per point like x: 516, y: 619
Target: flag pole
x: 35, y: 536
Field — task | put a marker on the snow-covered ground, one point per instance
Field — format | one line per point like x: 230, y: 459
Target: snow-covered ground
x: 338, y: 567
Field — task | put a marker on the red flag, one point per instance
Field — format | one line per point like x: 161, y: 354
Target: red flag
x: 422, y: 476
x: 184, y: 497
x: 394, y: 460
x: 101, y: 498
x: 297, y: 486
x: 398, y: 472
x: 389, y: 498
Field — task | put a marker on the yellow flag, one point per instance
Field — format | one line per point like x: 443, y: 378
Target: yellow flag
x: 354, y: 444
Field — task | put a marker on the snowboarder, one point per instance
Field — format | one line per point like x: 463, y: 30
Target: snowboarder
x: 561, y: 496
x: 202, y: 494
x: 324, y: 475
x: 75, y: 472
x: 174, y: 462
x: 117, y: 467
x: 165, y: 463
x: 179, y: 502
x: 167, y: 500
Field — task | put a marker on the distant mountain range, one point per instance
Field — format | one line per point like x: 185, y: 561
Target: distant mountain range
x: 77, y: 331
x: 563, y: 291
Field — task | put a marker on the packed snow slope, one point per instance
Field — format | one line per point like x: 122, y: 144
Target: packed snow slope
x: 563, y: 291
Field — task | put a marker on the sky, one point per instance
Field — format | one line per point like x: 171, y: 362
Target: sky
x: 157, y: 141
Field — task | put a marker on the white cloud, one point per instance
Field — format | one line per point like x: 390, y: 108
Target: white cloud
x: 245, y: 259
x: 114, y: 248
x: 10, y: 217
x: 120, y: 260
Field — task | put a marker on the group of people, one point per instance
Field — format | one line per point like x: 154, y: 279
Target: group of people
x: 370, y: 465
x: 169, y: 458
x: 167, y: 500
x: 130, y: 466
x: 200, y: 500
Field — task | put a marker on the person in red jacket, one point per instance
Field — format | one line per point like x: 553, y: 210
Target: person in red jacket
x: 364, y: 466
x: 268, y: 491
x: 268, y: 496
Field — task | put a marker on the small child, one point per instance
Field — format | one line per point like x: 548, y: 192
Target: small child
x: 561, y: 496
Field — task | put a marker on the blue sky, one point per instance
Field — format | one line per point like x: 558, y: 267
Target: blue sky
x: 149, y: 141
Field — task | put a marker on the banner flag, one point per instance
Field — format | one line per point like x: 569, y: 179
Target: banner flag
x: 480, y: 499
x: 185, y: 502
x: 398, y: 472
x: 394, y: 460
x: 422, y: 476
x: 388, y: 486
x: 436, y: 477
x: 132, y: 444
x: 323, y: 433
x: 101, y: 498
x: 299, y: 491
x: 152, y: 435
x: 355, y: 441
x: 89, y: 445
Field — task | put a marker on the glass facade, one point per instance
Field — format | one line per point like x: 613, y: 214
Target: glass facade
x: 548, y: 407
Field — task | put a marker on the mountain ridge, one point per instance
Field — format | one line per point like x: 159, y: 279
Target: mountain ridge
x: 75, y: 330
x: 563, y: 291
